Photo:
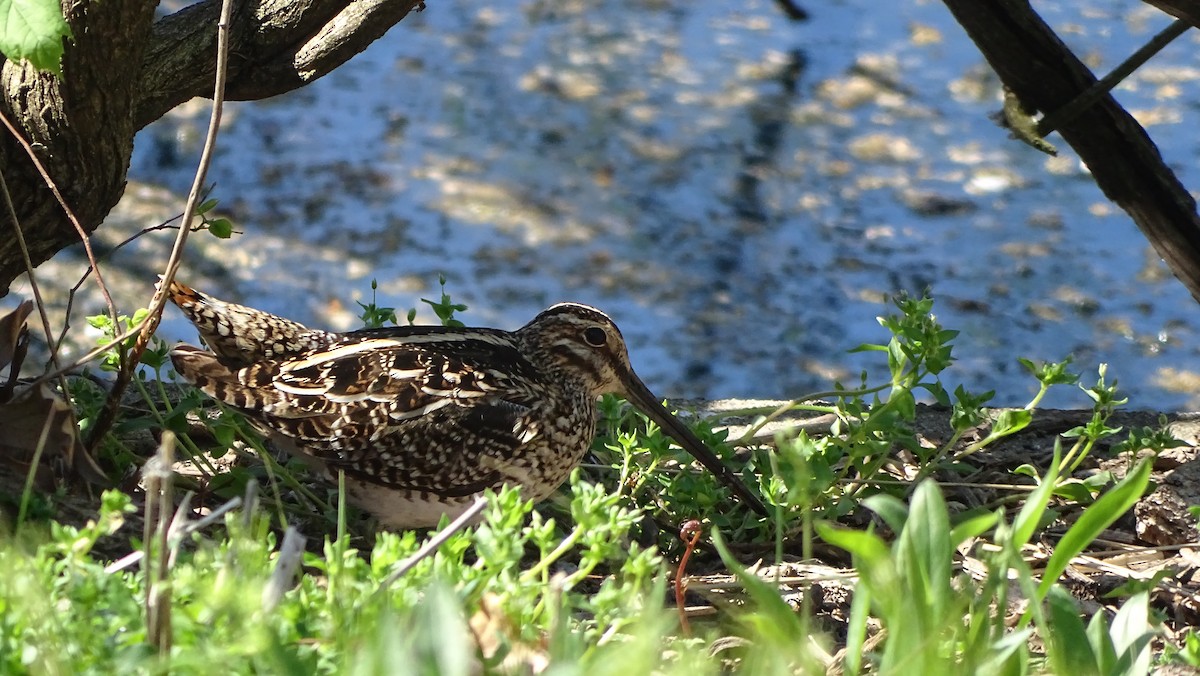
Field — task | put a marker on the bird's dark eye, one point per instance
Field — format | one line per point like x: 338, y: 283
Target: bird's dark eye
x: 595, y: 336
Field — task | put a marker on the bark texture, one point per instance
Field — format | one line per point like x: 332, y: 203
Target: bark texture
x: 126, y: 69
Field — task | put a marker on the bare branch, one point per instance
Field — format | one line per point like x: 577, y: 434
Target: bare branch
x: 277, y: 46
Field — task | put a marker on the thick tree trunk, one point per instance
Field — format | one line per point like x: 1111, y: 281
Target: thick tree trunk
x: 124, y: 70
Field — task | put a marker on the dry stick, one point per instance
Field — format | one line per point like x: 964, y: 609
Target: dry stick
x: 89, y: 465
x: 16, y: 326
x: 291, y: 553
x: 83, y: 236
x: 433, y: 543
x: 109, y: 413
x: 1057, y: 118
x: 62, y: 333
x: 89, y: 356
x: 117, y: 339
x: 157, y: 474
x: 27, y: 490
x: 179, y: 532
x: 33, y: 285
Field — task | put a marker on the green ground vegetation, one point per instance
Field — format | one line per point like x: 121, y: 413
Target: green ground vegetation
x: 583, y: 583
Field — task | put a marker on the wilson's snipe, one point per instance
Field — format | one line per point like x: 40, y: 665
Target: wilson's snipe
x: 423, y: 418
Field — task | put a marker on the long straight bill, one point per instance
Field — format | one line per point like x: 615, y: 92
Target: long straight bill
x: 640, y: 396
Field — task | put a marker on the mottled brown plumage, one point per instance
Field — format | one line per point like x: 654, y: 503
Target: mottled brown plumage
x: 424, y: 418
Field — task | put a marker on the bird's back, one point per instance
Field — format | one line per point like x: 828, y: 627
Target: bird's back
x: 436, y: 413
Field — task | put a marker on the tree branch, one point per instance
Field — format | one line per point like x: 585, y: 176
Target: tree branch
x: 1188, y: 10
x: 278, y: 46
x: 1045, y: 75
x: 123, y: 70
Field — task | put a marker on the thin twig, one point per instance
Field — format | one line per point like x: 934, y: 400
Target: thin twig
x: 27, y: 491
x: 178, y: 534
x: 109, y: 413
x: 83, y: 235
x: 434, y: 542
x: 66, y: 325
x: 177, y: 523
x: 33, y: 284
x: 82, y: 461
x: 1055, y: 119
x: 251, y: 501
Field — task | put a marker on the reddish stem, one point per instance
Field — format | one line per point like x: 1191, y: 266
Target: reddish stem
x: 690, y: 534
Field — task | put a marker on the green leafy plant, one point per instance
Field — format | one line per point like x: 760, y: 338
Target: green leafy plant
x: 375, y: 316
x: 581, y: 584
x: 1188, y: 653
x: 444, y: 307
x: 220, y: 227
x: 939, y: 624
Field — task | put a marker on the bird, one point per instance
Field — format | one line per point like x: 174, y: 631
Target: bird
x: 423, y: 419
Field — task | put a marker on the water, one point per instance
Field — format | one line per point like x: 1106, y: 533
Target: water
x: 739, y: 192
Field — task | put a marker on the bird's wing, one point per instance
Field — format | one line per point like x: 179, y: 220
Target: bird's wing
x: 441, y: 412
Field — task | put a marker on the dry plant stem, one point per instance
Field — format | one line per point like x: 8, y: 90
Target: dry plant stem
x: 251, y: 501
x: 33, y: 285
x: 809, y: 402
x: 85, y: 460
x: 179, y: 533
x: 83, y: 236
x: 158, y: 475
x: 690, y: 534
x: 27, y: 490
x: 291, y: 553
x: 87, y: 273
x: 433, y: 543
x: 109, y: 413
x: 176, y: 524
x: 1085, y: 100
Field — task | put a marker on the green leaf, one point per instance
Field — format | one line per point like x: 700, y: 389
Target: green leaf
x: 220, y: 228
x: 1011, y: 421
x: 1067, y: 645
x: 924, y: 549
x: 856, y: 629
x: 1075, y: 491
x: 33, y: 30
x: 1100, y: 515
x: 973, y: 527
x: 775, y: 618
x: 940, y: 395
x: 905, y: 403
x: 868, y: 549
x: 1010, y: 656
x: 889, y: 508
x: 868, y: 347
x: 1102, y: 646
x: 1131, y: 633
